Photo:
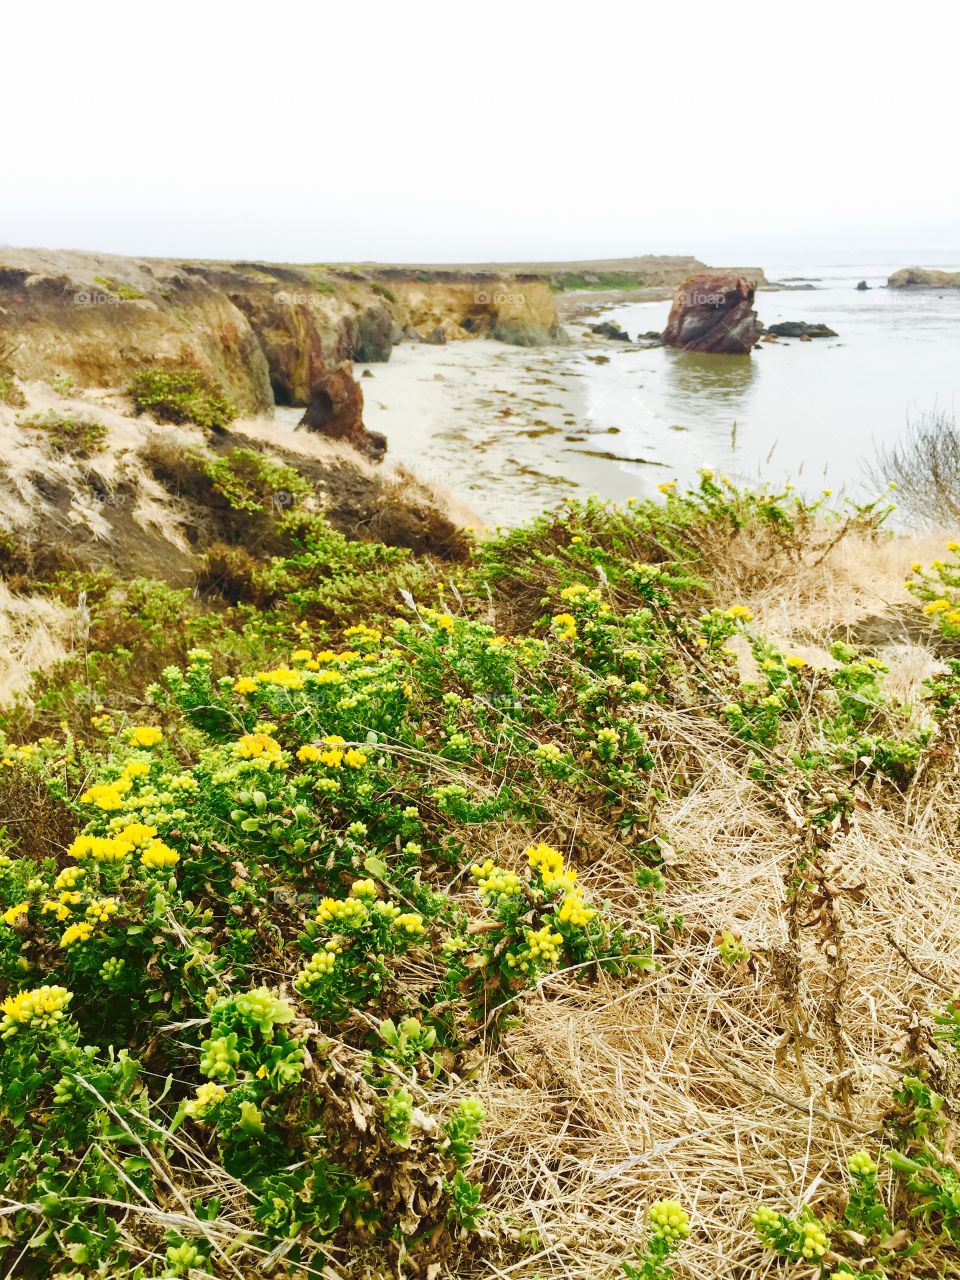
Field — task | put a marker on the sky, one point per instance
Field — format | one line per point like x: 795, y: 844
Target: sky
x: 521, y: 131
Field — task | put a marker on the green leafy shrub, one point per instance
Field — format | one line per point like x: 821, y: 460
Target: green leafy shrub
x: 181, y: 395
x: 10, y: 393
x: 67, y: 435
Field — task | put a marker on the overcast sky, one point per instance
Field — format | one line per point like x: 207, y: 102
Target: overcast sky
x: 478, y: 131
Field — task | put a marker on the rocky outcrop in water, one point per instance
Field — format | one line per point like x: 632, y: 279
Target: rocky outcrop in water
x: 799, y: 329
x: 713, y: 312
x: 336, y: 411
x: 924, y: 278
x: 607, y: 329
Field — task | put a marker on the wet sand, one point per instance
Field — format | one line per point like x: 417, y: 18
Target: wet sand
x: 500, y: 426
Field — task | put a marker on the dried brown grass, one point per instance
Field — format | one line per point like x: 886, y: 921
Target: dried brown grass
x: 683, y: 1082
x: 726, y: 1087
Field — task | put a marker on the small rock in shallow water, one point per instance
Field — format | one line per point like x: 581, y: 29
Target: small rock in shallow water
x: 799, y: 329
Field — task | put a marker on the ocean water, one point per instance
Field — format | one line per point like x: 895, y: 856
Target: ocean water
x: 809, y: 412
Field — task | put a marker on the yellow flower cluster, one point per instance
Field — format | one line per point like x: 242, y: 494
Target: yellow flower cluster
x: 580, y: 593
x: 43, y: 1007
x: 492, y: 881
x: 565, y: 626
x: 100, y: 848
x: 346, y: 911
x: 319, y: 967
x: 280, y: 678
x: 207, y: 1095
x: 408, y: 922
x: 12, y: 914
x: 259, y: 746
x: 573, y: 910
x: 548, y: 861
x: 146, y: 736
x: 76, y: 933
x: 335, y: 754
x: 362, y: 634
x: 115, y: 848
x: 668, y: 1220
x: 100, y: 910
x: 542, y: 950
x: 739, y: 613
x: 159, y: 855
x: 106, y: 795
x: 61, y: 906
x: 815, y: 1240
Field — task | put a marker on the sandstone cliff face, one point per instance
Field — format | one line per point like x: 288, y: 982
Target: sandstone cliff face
x: 924, y: 278
x: 267, y: 333
x: 518, y: 310
x: 96, y: 318
x: 713, y: 312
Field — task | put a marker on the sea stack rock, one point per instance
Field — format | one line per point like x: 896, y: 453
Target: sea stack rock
x: 336, y: 411
x: 713, y: 312
x: 924, y: 278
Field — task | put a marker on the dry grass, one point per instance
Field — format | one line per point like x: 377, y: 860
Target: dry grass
x: 34, y: 633
x: 719, y: 1086
x: 687, y: 1081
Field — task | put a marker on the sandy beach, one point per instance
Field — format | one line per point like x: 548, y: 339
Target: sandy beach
x: 500, y: 426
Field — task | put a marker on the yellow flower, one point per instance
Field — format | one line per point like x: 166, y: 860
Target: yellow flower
x: 916, y: 566
x: 100, y: 848
x: 101, y: 911
x: 565, y: 625
x: 667, y: 486
x: 573, y: 911
x: 11, y: 915
x: 281, y: 678
x: 137, y: 834
x: 42, y: 1007
x: 157, y: 854
x: 354, y: 759
x: 408, y: 922
x: 107, y: 795
x: 75, y: 933
x: 145, y: 736
x: 349, y: 910
x: 444, y: 622
x: 549, y: 863
x: 245, y: 685
x: 363, y: 889
x: 795, y: 662
x: 739, y: 613
x: 258, y: 746
x: 207, y: 1095
x: 936, y: 606
x: 308, y: 753
x: 576, y: 538
x: 953, y: 546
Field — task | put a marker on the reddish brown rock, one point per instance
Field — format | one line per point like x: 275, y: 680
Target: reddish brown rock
x: 336, y: 411
x: 713, y: 312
